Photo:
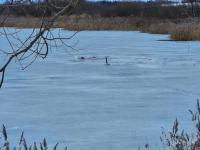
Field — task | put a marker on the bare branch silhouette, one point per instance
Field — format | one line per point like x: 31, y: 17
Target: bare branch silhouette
x: 38, y: 41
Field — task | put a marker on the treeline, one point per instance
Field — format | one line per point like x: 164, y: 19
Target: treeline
x: 160, y: 10
x: 138, y: 9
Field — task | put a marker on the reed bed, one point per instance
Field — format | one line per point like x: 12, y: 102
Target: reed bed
x: 179, y: 30
x: 86, y: 22
x: 158, y: 28
x: 185, y: 32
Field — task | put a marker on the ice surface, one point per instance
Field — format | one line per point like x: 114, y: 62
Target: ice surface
x: 88, y: 105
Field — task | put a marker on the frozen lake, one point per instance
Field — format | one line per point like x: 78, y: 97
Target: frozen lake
x: 88, y: 105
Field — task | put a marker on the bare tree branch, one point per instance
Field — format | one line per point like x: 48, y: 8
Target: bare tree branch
x: 38, y: 41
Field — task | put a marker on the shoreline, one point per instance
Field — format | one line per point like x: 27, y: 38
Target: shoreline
x: 178, y: 30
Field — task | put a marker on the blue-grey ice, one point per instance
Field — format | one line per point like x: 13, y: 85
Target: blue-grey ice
x: 88, y: 105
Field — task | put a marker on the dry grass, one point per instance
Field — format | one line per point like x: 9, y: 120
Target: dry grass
x: 20, y: 22
x: 5, y: 144
x: 159, y: 28
x: 182, y: 30
x: 76, y: 22
x: 185, y: 32
x: 86, y: 22
x: 180, y: 140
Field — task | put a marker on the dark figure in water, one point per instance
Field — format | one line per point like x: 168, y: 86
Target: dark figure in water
x: 107, y: 61
x: 89, y: 58
x: 81, y: 57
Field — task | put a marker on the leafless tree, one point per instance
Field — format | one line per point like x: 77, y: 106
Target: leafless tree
x: 38, y: 42
x: 192, y: 3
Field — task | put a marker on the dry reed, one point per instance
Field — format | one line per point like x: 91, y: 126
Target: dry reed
x: 5, y: 144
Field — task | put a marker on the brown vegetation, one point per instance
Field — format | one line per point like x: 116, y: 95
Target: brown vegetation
x: 159, y: 28
x: 86, y: 22
x: 151, y: 17
x: 180, y: 140
x: 5, y: 144
x: 185, y: 32
x: 182, y: 30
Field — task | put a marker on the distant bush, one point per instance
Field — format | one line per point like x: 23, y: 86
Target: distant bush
x: 134, y: 8
x: 105, y: 9
x: 26, y: 10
